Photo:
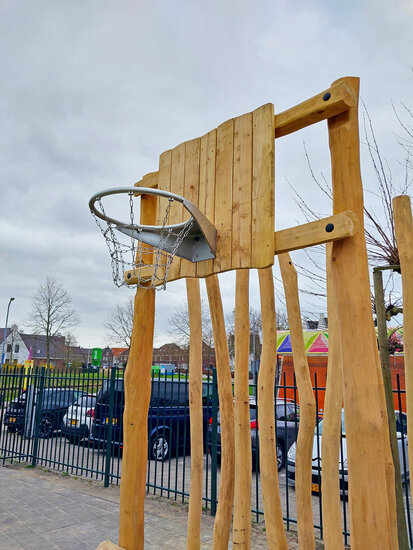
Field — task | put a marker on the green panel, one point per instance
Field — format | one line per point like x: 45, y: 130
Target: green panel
x: 96, y: 356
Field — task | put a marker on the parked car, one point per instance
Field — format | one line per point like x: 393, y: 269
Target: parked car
x: 168, y: 417
x: 77, y: 422
x: 55, y: 402
x: 401, y: 428
x: 14, y: 414
x: 287, y: 419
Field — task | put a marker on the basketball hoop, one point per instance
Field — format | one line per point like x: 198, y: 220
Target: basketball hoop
x: 151, y: 248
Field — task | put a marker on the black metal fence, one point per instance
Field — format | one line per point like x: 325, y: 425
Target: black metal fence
x: 47, y: 420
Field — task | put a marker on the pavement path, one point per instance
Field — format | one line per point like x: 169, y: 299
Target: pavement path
x: 42, y: 510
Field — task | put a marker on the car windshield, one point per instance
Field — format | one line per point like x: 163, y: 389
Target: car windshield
x: 86, y: 401
x: 319, y: 427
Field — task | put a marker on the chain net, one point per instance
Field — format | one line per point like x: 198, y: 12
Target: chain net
x: 150, y: 264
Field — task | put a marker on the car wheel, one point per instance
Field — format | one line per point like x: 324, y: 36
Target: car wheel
x: 11, y: 429
x: 160, y: 447
x: 280, y: 456
x: 45, y: 427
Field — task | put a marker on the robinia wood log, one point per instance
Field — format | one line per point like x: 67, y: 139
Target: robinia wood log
x: 107, y: 545
x: 274, y: 525
x: 371, y: 473
x: 195, y: 411
x: 222, y: 524
x: 241, y: 534
x: 137, y: 382
x: 333, y: 402
x: 303, y: 461
x: 404, y: 234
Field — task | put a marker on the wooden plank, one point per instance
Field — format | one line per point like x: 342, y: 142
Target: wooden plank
x: 330, y: 450
x: 177, y: 186
x: 273, y: 514
x: 190, y: 192
x: 107, y: 545
x: 371, y: 472
x: 339, y: 226
x: 164, y: 183
x: 404, y: 234
x: 223, y: 195
x: 206, y: 199
x: 222, y: 523
x: 308, y: 411
x: 196, y: 414
x: 241, y: 530
x: 137, y: 381
x: 242, y: 192
x: 148, y: 180
x: 337, y: 99
x: 262, y: 252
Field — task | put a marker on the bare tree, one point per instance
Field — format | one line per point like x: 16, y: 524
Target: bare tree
x: 179, y: 322
x: 119, y: 324
x: 70, y: 342
x: 52, y: 312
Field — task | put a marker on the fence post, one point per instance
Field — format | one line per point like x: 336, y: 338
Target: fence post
x: 39, y: 406
x: 110, y: 425
x: 214, y: 443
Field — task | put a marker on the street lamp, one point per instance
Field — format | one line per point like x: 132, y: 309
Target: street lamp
x: 5, y: 333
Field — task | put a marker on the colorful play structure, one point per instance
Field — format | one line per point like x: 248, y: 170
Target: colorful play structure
x: 209, y: 208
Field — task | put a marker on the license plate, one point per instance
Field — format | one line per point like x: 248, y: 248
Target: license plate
x: 315, y: 487
x: 114, y: 421
x: 12, y: 419
x: 73, y: 422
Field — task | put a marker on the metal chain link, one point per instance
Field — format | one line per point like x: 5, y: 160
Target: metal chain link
x: 132, y: 256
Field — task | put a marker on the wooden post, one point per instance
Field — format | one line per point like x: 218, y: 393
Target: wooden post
x: 388, y: 389
x: 303, y: 462
x: 222, y: 524
x: 273, y: 515
x: 404, y: 235
x: 371, y: 473
x: 137, y: 383
x: 333, y: 402
x: 241, y: 537
x: 195, y: 411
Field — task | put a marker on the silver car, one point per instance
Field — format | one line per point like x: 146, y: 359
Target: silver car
x: 401, y: 427
x: 77, y: 422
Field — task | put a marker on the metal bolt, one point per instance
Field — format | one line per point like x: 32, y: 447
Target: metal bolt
x: 326, y: 96
x: 329, y: 227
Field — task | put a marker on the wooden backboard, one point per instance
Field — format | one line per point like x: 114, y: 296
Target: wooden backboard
x: 229, y: 175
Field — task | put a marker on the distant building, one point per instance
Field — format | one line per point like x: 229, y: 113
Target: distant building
x: 19, y: 347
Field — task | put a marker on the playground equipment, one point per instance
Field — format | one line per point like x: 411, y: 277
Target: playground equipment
x: 219, y: 216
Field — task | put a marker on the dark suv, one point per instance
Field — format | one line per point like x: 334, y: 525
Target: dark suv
x: 286, y: 428
x: 168, y: 417
x: 55, y: 402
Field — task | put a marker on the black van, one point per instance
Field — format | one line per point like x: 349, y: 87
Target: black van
x: 168, y: 416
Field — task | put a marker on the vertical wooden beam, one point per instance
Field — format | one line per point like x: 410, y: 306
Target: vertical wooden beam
x: 333, y: 402
x: 274, y: 524
x: 195, y: 411
x: 404, y: 234
x: 388, y: 389
x: 303, y: 462
x: 241, y: 537
x: 137, y: 381
x: 222, y: 524
x: 371, y: 473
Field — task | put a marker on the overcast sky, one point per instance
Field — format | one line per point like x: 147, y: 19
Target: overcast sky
x: 92, y: 92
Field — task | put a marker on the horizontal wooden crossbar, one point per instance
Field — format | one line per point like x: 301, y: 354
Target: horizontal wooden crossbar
x: 331, y: 102
x: 321, y: 231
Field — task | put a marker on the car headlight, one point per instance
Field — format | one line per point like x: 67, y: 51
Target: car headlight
x: 291, y: 452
